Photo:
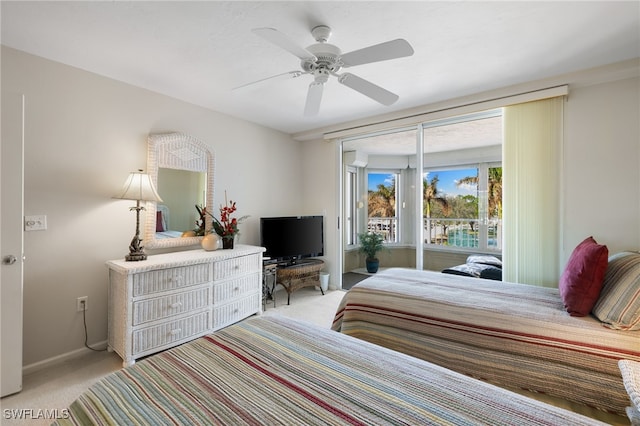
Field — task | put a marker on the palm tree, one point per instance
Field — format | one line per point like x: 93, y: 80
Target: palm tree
x: 382, y: 202
x: 430, y: 191
x: 494, y: 191
x: 431, y: 195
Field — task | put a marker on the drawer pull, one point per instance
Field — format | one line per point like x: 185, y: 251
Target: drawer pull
x: 175, y: 305
x: 236, y: 288
x: 175, y: 332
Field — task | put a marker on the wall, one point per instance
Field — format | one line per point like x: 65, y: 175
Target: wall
x: 601, y: 192
x: 601, y: 166
x: 318, y: 196
x: 84, y: 134
x: 400, y: 257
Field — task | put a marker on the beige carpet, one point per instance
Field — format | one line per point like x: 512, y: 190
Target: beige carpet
x: 51, y: 390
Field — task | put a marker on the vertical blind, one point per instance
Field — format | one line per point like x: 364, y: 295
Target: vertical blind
x: 532, y: 149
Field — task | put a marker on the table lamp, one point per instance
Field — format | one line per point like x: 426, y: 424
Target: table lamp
x: 139, y: 187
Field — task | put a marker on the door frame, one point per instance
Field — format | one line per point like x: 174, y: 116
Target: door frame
x: 11, y: 241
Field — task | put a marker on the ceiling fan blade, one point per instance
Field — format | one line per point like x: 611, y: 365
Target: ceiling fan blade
x: 314, y: 96
x: 282, y: 40
x: 283, y: 76
x: 367, y: 88
x: 393, y: 49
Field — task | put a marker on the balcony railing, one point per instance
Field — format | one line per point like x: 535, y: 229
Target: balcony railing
x: 461, y: 233
x: 387, y: 226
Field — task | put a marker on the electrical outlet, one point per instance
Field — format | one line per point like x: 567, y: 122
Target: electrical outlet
x: 82, y: 303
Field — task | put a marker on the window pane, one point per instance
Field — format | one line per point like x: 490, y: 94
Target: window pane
x: 494, y: 200
x: 451, y: 207
x: 350, y: 195
x: 460, y: 210
x: 382, y: 205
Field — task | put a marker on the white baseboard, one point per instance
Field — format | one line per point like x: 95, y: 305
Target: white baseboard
x: 59, y: 359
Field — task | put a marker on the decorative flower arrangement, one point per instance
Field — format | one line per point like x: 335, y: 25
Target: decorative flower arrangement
x: 227, y: 227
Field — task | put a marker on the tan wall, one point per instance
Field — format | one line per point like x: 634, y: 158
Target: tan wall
x: 403, y: 257
x: 437, y: 260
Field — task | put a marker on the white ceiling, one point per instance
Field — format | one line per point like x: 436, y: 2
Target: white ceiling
x: 199, y: 51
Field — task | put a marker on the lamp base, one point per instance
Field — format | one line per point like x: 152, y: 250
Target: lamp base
x: 136, y: 251
x: 134, y: 257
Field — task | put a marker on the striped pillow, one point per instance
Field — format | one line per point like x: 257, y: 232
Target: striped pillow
x: 618, y: 306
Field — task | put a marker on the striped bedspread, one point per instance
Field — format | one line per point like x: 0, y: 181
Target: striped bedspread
x: 268, y: 371
x: 513, y: 335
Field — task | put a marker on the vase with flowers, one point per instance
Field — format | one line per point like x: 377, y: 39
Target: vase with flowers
x: 227, y: 226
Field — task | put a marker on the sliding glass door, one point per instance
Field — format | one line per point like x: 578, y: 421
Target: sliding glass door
x: 425, y: 187
x: 434, y: 220
x: 379, y: 174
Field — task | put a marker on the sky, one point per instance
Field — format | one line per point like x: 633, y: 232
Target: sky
x: 446, y: 184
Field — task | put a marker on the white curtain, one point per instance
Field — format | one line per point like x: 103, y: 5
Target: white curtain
x: 532, y: 150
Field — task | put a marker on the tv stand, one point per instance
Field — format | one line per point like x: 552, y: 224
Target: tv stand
x: 300, y: 274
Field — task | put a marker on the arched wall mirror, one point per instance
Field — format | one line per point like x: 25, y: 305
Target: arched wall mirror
x: 181, y: 168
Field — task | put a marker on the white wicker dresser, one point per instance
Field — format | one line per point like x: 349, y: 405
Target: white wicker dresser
x: 172, y: 298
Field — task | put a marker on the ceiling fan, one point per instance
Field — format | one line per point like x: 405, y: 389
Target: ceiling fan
x: 322, y: 60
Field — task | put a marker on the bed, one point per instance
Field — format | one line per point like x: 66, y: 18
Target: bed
x: 271, y: 371
x: 513, y: 335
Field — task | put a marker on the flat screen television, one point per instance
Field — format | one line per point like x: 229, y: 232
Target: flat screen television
x: 288, y: 239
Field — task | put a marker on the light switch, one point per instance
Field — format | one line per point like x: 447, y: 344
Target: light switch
x: 35, y: 223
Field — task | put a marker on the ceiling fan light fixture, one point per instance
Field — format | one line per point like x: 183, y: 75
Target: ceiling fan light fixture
x: 321, y: 75
x: 326, y: 56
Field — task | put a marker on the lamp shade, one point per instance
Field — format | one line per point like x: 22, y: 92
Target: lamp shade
x: 139, y: 186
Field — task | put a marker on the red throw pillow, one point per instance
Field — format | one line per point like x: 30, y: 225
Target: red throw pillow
x: 159, y: 222
x: 582, y: 279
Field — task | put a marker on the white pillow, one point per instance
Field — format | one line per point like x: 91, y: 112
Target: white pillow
x: 630, y: 371
x: 634, y: 416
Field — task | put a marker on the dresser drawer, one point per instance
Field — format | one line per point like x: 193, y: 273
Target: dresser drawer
x: 149, y: 338
x: 235, y: 311
x: 237, y: 266
x: 166, y: 306
x: 227, y: 291
x: 169, y: 279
